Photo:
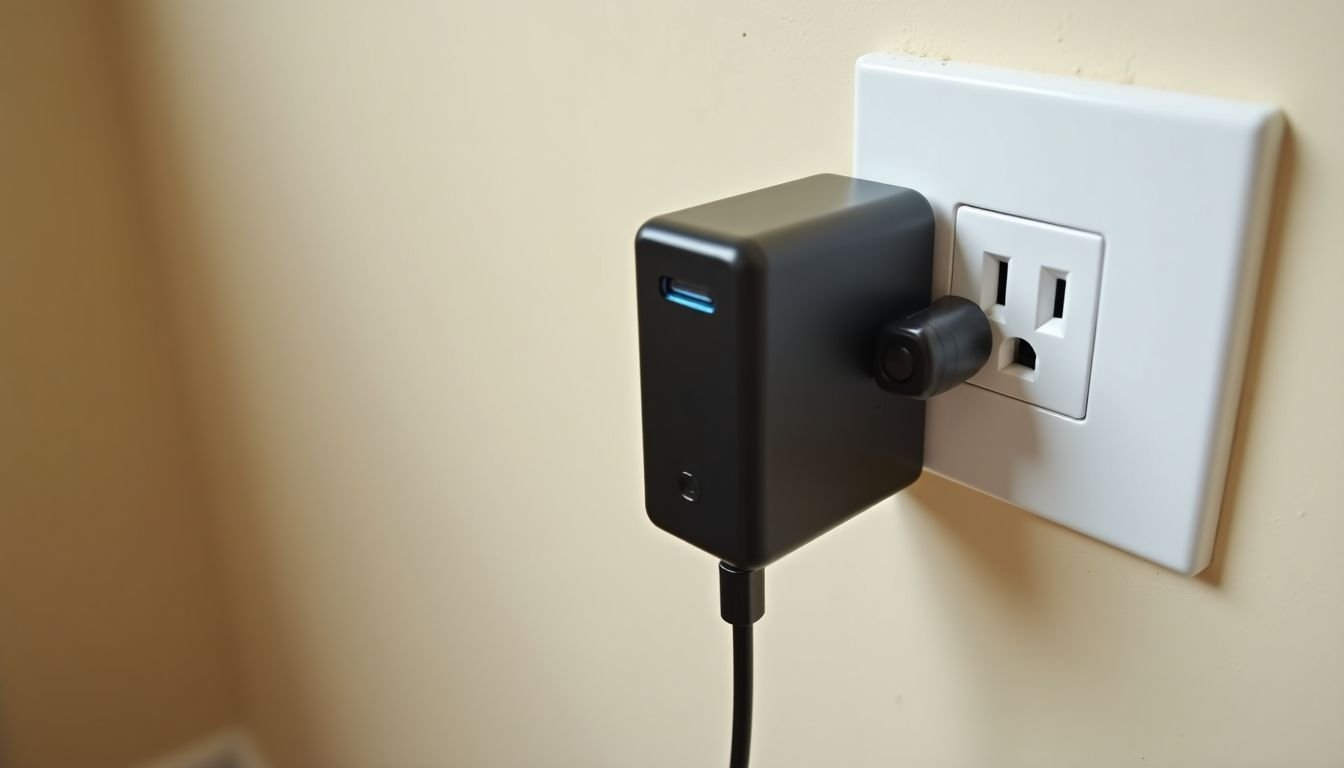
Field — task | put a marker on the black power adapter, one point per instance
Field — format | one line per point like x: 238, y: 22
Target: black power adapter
x: 787, y: 342
x: 757, y: 318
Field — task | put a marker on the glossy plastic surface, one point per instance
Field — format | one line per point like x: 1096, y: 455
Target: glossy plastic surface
x: 1177, y: 187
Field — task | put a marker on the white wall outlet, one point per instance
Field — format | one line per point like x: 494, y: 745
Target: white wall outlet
x: 1152, y: 207
x: 1038, y: 285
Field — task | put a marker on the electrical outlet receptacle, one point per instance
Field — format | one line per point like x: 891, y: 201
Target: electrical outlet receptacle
x: 1151, y: 205
x: 1038, y: 284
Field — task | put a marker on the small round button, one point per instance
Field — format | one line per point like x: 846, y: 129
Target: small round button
x: 897, y: 364
x: 689, y: 486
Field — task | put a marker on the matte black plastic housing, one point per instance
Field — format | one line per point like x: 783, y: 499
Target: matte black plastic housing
x: 757, y: 320
x: 934, y: 349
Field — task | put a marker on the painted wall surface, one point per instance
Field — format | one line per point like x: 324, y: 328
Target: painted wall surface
x: 398, y: 240
x: 113, y: 641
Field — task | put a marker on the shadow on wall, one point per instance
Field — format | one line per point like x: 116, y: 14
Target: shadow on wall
x: 276, y: 686
x: 112, y: 646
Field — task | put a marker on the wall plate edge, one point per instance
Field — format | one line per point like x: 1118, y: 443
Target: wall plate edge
x: 1256, y: 235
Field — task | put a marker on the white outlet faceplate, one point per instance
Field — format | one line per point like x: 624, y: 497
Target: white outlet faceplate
x: 1154, y: 206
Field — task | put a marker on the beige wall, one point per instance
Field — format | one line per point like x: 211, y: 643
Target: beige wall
x: 398, y: 239
x: 113, y: 643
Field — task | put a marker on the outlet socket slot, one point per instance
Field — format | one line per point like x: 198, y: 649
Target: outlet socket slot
x: 1050, y: 298
x: 993, y: 294
x: 1001, y: 287
x: 1018, y: 358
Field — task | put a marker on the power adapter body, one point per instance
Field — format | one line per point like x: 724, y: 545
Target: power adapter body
x: 763, y: 426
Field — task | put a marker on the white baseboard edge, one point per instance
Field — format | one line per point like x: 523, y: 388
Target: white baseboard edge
x: 228, y: 748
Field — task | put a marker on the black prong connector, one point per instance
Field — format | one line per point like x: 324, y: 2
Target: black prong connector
x: 932, y: 350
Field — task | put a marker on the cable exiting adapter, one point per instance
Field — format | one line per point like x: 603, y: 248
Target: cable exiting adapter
x: 742, y: 604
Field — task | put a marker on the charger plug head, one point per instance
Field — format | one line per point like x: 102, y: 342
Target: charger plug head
x: 932, y: 350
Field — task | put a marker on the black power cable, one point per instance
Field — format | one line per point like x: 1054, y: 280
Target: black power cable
x: 741, y: 603
x: 741, y: 750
